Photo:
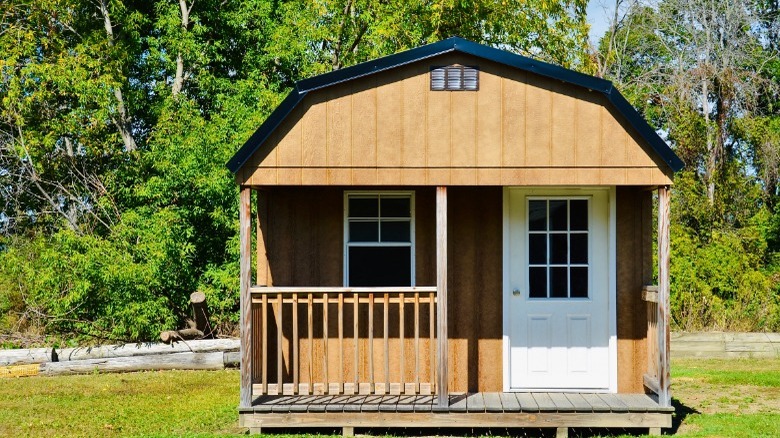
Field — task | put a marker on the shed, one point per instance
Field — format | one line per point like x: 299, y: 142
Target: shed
x: 454, y: 235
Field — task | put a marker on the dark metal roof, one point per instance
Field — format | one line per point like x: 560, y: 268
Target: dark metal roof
x: 461, y: 45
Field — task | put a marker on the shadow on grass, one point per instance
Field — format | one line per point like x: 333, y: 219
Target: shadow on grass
x: 680, y: 413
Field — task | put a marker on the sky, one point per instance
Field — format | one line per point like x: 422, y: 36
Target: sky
x: 598, y: 12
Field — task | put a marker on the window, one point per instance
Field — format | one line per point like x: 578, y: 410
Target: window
x: 379, y: 239
x: 454, y: 78
x: 558, y: 248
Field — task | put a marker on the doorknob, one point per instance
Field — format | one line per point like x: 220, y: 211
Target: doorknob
x: 516, y: 292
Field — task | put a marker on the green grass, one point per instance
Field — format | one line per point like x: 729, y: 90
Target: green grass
x: 715, y: 398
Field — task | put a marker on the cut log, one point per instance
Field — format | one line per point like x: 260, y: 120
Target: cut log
x: 200, y: 313
x: 180, y: 335
x: 176, y: 361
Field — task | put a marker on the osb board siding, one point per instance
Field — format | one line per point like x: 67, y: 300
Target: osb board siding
x: 475, y: 218
x: 634, y: 269
x: 390, y: 129
x: 303, y: 252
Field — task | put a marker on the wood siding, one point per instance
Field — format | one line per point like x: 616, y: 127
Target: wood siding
x: 389, y: 129
x: 303, y: 238
x: 634, y: 269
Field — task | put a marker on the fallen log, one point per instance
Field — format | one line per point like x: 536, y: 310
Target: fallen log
x: 176, y: 361
x: 25, y: 356
x: 169, y: 336
x: 146, y: 349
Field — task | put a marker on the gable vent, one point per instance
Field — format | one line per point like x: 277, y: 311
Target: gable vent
x: 455, y: 78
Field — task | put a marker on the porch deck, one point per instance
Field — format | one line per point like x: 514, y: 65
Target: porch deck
x: 482, y: 409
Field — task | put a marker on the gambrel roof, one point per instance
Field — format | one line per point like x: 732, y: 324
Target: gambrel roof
x: 611, y: 96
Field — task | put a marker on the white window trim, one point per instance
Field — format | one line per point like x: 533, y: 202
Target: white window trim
x: 346, y: 245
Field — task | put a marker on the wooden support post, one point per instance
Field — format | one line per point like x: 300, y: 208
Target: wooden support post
x: 664, y: 396
x: 562, y: 432
x: 441, y: 289
x: 245, y: 263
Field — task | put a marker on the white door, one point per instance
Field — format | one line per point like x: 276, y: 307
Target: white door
x: 558, y: 289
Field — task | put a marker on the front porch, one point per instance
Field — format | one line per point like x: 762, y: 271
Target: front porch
x: 483, y: 409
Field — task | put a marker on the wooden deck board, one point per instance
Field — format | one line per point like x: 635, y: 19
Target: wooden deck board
x: 544, y: 401
x: 509, y: 402
x: 475, y: 402
x: 490, y: 402
x: 527, y: 402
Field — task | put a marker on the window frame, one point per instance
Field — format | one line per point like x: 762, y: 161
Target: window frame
x: 346, y: 220
x: 568, y: 232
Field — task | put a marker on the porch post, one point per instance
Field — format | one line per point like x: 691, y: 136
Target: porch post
x: 245, y: 263
x: 441, y: 290
x: 664, y: 396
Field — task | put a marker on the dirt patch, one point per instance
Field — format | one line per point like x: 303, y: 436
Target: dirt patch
x: 708, y: 398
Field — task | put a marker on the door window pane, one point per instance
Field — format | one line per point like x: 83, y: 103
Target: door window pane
x: 537, y: 279
x: 578, y: 248
x: 537, y: 215
x: 558, y: 215
x: 537, y: 249
x: 579, y: 282
x: 578, y: 215
x: 559, y: 282
x: 559, y: 249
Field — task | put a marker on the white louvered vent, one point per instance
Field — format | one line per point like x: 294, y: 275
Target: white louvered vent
x: 454, y: 78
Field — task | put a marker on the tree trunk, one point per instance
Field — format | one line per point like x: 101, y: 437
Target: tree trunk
x: 200, y: 313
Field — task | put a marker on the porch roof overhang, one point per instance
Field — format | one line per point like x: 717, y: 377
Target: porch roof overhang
x: 456, y: 45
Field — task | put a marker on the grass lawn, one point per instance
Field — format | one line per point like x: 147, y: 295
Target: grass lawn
x: 714, y: 398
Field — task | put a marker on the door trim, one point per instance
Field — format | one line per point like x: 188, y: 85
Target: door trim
x: 612, y: 279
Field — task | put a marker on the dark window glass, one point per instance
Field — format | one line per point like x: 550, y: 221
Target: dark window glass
x: 537, y: 282
x: 537, y: 249
x: 537, y: 215
x: 396, y: 232
x: 558, y: 215
x: 363, y: 207
x: 558, y: 249
x: 363, y: 232
x: 578, y: 214
x: 396, y: 207
x: 383, y: 266
x: 559, y: 282
x: 579, y: 282
x: 578, y: 248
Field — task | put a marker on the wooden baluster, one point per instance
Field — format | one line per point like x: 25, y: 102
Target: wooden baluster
x: 279, y: 339
x: 402, y: 341
x: 295, y: 342
x: 432, y: 339
x: 371, y: 380
x: 355, y: 329
x: 265, y: 344
x: 310, y: 326
x: 416, y: 342
x: 341, y: 342
x: 325, y: 341
x: 387, y: 344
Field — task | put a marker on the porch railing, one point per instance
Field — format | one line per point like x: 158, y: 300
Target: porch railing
x: 325, y: 340
x: 650, y: 297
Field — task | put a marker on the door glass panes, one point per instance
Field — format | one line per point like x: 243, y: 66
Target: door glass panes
x: 558, y: 248
x: 379, y: 239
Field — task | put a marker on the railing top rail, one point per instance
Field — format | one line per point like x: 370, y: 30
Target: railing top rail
x: 338, y: 290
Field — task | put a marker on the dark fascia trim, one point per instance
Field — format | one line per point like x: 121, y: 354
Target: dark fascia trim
x: 261, y: 135
x: 456, y: 44
x: 645, y: 130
